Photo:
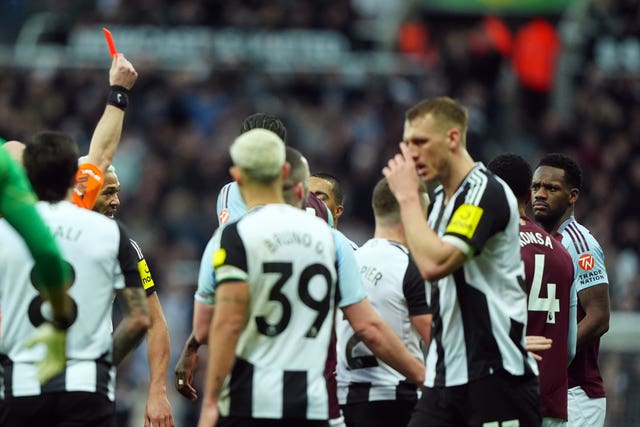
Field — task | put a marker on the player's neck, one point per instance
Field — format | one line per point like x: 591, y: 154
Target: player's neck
x: 522, y: 208
x: 459, y: 168
x: 393, y: 232
x: 554, y: 230
x: 261, y: 195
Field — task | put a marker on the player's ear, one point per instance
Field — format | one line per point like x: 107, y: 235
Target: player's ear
x: 454, y: 139
x: 286, y: 170
x: 339, y: 210
x: 236, y: 174
x: 574, y: 195
x: 299, y: 188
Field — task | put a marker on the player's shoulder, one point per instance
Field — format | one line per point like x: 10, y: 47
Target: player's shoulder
x: 228, y: 193
x: 482, y: 184
x: 138, y: 250
x: 387, y: 254
x: 279, y: 216
x: 74, y: 214
x: 578, y: 239
x: 65, y: 218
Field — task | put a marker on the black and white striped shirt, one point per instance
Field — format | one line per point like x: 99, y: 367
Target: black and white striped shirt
x: 102, y: 260
x: 293, y: 263
x: 397, y: 292
x: 480, y: 310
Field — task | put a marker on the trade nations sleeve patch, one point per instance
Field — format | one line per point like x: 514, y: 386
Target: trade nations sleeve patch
x: 465, y: 220
x: 586, y: 262
x: 219, y: 257
x: 224, y: 217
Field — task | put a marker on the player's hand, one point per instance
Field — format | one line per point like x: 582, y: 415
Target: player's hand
x: 208, y: 415
x: 157, y: 413
x: 184, y: 371
x: 401, y: 174
x: 55, y: 358
x: 535, y: 344
x: 122, y: 72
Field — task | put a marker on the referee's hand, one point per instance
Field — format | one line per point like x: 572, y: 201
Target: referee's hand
x: 54, y: 360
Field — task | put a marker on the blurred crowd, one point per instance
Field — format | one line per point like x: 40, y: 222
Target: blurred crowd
x: 173, y: 157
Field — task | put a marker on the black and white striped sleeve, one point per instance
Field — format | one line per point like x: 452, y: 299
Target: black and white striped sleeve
x: 128, y: 259
x: 414, y: 289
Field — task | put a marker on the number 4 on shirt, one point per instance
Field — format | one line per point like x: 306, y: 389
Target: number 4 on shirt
x: 550, y: 304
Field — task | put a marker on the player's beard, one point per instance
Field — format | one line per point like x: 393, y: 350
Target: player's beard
x: 549, y: 219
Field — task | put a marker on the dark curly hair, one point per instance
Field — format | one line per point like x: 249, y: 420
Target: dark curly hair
x: 572, y: 171
x: 515, y: 171
x: 264, y: 121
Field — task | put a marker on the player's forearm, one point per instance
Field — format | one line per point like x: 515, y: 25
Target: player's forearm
x: 591, y: 327
x: 429, y: 252
x: 202, y: 316
x: 422, y: 323
x: 386, y: 345
x: 128, y: 336
x: 106, y: 137
x: 135, y: 323
x: 158, y: 346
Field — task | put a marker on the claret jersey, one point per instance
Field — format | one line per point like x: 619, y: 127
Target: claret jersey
x: 548, y: 280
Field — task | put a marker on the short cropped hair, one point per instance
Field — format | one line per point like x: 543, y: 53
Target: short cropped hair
x: 51, y: 162
x: 264, y: 121
x: 516, y: 172
x: 385, y: 205
x: 447, y: 111
x: 299, y: 170
x: 336, y: 185
x: 260, y: 153
x: 572, y: 171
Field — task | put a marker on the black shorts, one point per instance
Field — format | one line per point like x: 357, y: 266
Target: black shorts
x: 381, y: 413
x: 60, y: 409
x: 501, y: 398
x: 267, y: 422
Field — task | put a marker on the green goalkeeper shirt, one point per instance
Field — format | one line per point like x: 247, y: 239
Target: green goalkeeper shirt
x: 17, y: 205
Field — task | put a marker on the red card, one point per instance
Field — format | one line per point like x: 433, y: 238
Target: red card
x: 109, y: 38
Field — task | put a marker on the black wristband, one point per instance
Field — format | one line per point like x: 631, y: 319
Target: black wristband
x: 118, y: 97
x: 193, y: 343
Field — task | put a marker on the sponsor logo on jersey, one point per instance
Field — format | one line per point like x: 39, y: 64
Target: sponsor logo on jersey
x: 465, y: 220
x: 145, y: 274
x: 224, y: 216
x: 586, y: 262
x: 219, y: 257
